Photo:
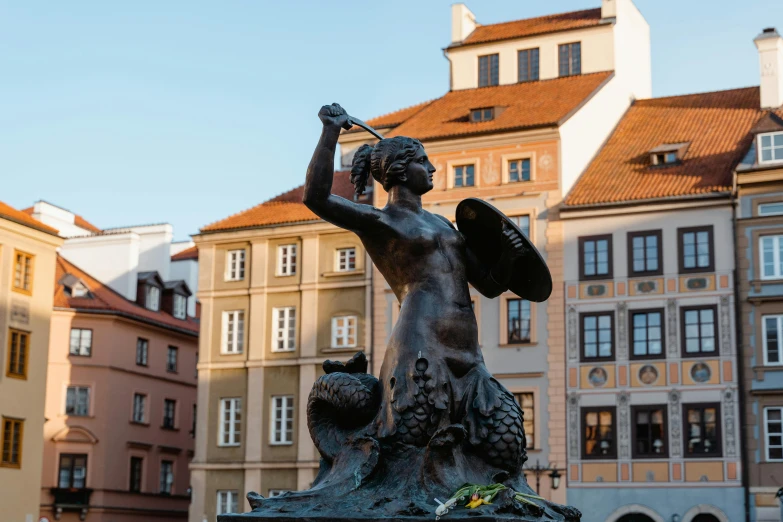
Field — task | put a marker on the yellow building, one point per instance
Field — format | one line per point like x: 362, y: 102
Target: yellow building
x: 281, y: 291
x: 27, y: 268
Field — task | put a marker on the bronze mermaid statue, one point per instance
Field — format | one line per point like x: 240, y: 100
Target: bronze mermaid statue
x: 435, y: 418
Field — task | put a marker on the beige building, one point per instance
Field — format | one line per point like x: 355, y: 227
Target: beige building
x: 27, y: 272
x: 281, y: 291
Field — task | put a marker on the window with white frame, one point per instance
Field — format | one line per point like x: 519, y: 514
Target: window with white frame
x: 770, y: 209
x: 346, y: 259
x: 152, y: 299
x: 773, y: 430
x: 233, y: 332
x: 227, y: 501
x: 81, y: 342
x: 235, y: 265
x: 230, y: 422
x: 284, y: 329
x: 180, y: 306
x: 286, y: 260
x: 344, y: 331
x: 772, y: 327
x: 282, y: 419
x: 464, y: 176
x: 523, y: 222
x: 142, y: 351
x: 771, y: 254
x: 770, y: 147
x: 166, y: 477
x: 77, y: 401
x: 139, y: 407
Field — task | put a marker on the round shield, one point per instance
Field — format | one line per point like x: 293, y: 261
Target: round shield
x: 482, y: 226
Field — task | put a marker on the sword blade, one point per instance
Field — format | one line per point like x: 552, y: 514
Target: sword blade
x: 360, y: 123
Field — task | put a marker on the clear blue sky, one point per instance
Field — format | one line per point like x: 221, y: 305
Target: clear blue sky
x: 188, y: 111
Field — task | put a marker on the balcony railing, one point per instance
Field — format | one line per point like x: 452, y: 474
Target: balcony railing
x: 71, y: 499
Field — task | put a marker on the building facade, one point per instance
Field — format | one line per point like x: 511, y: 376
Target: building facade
x: 759, y: 218
x: 27, y: 274
x: 530, y: 103
x: 281, y: 291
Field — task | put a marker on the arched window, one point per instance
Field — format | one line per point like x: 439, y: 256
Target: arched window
x: 635, y: 517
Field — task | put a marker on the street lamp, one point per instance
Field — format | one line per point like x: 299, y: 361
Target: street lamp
x: 555, y: 476
x: 551, y: 469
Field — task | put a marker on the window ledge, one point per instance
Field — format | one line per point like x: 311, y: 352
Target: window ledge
x: 531, y: 344
x: 285, y: 275
x: 768, y: 368
x: 168, y: 428
x: 281, y: 443
x: 343, y: 348
x: 343, y: 273
x: 229, y: 445
x: 137, y: 423
x: 172, y: 371
x: 233, y: 280
x: 79, y: 355
x: 282, y: 351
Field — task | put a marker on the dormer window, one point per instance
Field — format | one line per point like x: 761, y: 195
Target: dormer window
x: 483, y: 114
x: 668, y: 154
x: 152, y: 298
x: 75, y: 287
x: 180, y: 306
x: 770, y: 147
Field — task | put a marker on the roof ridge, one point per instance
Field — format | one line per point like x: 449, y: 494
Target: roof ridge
x: 542, y: 17
x: 572, y: 77
x: 685, y: 95
x: 409, y: 107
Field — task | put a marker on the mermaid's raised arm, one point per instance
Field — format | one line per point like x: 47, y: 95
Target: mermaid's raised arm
x: 320, y: 173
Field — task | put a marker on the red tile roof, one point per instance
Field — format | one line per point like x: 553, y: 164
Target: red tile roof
x: 285, y: 208
x: 105, y: 299
x: 19, y: 216
x: 395, y: 118
x: 519, y: 106
x: 716, y: 124
x: 188, y: 253
x: 532, y: 27
x: 77, y: 220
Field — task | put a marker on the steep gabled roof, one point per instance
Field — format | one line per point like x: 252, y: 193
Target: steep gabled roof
x: 21, y: 217
x: 78, y: 220
x: 716, y: 124
x: 188, y: 253
x: 393, y: 119
x: 104, y: 299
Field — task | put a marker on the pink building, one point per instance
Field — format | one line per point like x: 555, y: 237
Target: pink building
x: 120, y: 402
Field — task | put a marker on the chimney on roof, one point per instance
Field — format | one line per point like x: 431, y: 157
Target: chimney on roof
x: 463, y: 22
x: 608, y: 8
x: 770, y: 46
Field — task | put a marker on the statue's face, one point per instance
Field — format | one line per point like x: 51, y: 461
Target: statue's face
x: 419, y: 173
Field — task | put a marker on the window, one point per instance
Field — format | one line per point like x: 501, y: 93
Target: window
x: 166, y: 477
x: 698, y: 331
x: 665, y: 158
x: 645, y: 255
x: 139, y: 408
x: 527, y: 65
x: 284, y: 329
x: 599, y: 433
x: 233, y: 332
x: 485, y: 114
x: 77, y: 401
x: 142, y: 347
x: 696, y: 249
x: 346, y: 259
x: 527, y: 403
x: 171, y: 359
x: 227, y: 501
x: 13, y: 435
x: 772, y: 326
x: 18, y: 351
x: 595, y: 257
x: 570, y: 59
x: 647, y: 334
x: 230, y: 422
x: 463, y: 176
x: 136, y: 470
x: 23, y: 272
x: 81, y: 342
x: 518, y: 313
x: 286, y: 260
x: 773, y: 432
x: 519, y: 170
x: 598, y: 336
x: 488, y: 70
x: 702, y: 430
x: 152, y: 299
x: 73, y: 471
x: 523, y: 222
x: 283, y: 419
x: 344, y: 331
x: 180, y: 306
x: 770, y: 250
x: 235, y: 265
x: 771, y: 147
x: 649, y: 431
x: 193, y: 425
x: 169, y: 411
x: 770, y: 209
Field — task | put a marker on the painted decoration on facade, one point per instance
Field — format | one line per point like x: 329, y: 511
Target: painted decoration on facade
x: 597, y: 377
x: 646, y: 287
x: 727, y: 347
x: 573, y: 349
x: 545, y: 162
x: 696, y: 283
x: 573, y: 426
x: 489, y: 173
x: 624, y: 425
x: 622, y: 346
x: 730, y: 435
x: 20, y: 312
x: 671, y: 314
x: 596, y: 290
x: 675, y: 447
x: 700, y: 372
x: 648, y: 374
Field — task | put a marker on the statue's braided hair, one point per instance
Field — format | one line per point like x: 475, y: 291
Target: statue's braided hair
x: 387, y: 162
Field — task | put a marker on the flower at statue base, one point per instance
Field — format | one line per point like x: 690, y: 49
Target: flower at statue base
x: 472, y: 496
